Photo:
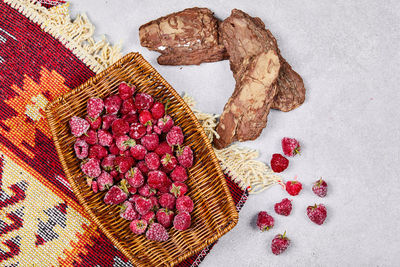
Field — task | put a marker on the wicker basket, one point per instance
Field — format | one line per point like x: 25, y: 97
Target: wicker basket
x: 214, y: 212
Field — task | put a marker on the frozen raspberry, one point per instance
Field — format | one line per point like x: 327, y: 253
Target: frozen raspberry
x: 133, y: 198
x: 78, y: 126
x: 152, y: 161
x: 149, y: 129
x: 135, y: 177
x: 157, y: 232
x: 143, y: 101
x: 94, y: 107
x: 124, y: 142
x: 168, y: 162
x: 179, y: 174
x: 182, y: 221
x: 154, y: 203
x: 125, y: 91
x: 279, y: 163
x: 81, y: 149
x: 317, y: 213
x: 128, y: 211
x: 127, y: 153
x: 128, y: 107
x: 146, y: 191
x: 157, y: 130
x: 320, y: 188
x: 97, y: 151
x: 114, y: 174
x: 150, y: 141
x: 112, y: 104
x: 137, y: 130
x: 185, y: 157
x: 120, y: 127
x: 143, y: 205
x: 178, y: 189
x: 158, y: 110
x: 94, y: 124
x: 264, y: 221
x: 290, y: 146
x: 132, y: 190
x: 104, y: 181
x: 105, y: 138
x: 284, y: 207
x: 130, y: 118
x: 165, y: 187
x: 167, y: 200
x: 165, y: 124
x: 280, y: 243
x: 145, y: 117
x: 175, y: 136
x: 138, y: 152
x: 184, y: 204
x: 95, y: 187
x: 157, y: 179
x: 108, y: 120
x: 90, y: 137
x: 115, y: 196
x: 149, y: 217
x: 138, y: 226
x: 293, y: 187
x: 123, y: 164
x: 114, y: 150
x: 143, y: 167
x: 165, y: 217
x: 163, y: 148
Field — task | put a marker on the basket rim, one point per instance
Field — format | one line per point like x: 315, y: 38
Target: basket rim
x: 93, y: 80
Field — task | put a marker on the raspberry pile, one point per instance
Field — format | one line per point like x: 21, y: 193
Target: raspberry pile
x: 131, y: 149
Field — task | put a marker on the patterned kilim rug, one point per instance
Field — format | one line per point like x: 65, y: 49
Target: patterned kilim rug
x: 41, y: 222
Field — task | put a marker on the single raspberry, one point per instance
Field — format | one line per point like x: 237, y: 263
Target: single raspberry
x: 184, y: 204
x: 179, y: 174
x: 145, y: 117
x: 95, y: 107
x: 143, y: 167
x: 143, y: 205
x: 168, y: 162
x: 133, y: 198
x: 165, y: 187
x: 157, y: 130
x: 154, y: 203
x: 143, y: 101
x: 158, y: 110
x: 132, y: 190
x: 293, y: 187
x: 108, y: 163
x: 185, y: 157
x: 115, y: 150
x: 137, y: 130
x: 178, y: 189
x: 120, y: 127
x: 320, y: 188
x: 124, y: 142
x: 97, y: 151
x: 128, y: 211
x: 114, y: 174
x: 94, y: 124
x: 108, y: 120
x: 182, y: 221
x: 105, y: 138
x: 138, y: 152
x: 284, y: 207
x: 264, y: 221
x: 279, y: 163
x: 81, y: 149
x: 95, y: 187
x: 125, y: 91
x: 146, y: 191
x: 112, y: 104
x: 134, y: 177
x: 130, y: 118
x: 128, y: 107
x: 317, y: 213
x: 127, y: 153
x: 123, y: 164
x: 90, y: 137
x: 280, y: 243
x: 149, y: 217
x: 175, y: 136
x: 115, y: 196
x: 157, y: 179
x: 290, y: 146
x: 165, y: 217
x: 105, y: 181
x: 163, y: 148
x: 138, y: 226
x: 78, y: 126
x: 152, y: 161
x: 165, y: 124
x: 157, y: 232
x: 149, y: 129
x: 150, y: 141
x: 167, y: 200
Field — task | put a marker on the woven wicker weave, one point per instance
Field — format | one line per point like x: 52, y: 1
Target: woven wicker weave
x: 214, y: 211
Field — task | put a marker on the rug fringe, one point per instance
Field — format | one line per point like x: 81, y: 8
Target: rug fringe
x: 76, y: 35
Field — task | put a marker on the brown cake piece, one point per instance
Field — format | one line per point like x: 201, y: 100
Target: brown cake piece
x: 188, y: 37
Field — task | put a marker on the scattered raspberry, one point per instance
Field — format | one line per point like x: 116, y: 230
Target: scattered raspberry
x: 158, y: 110
x: 138, y: 152
x: 167, y: 200
x: 145, y: 117
x: 97, y: 152
x: 178, y: 189
x: 143, y: 167
x: 108, y: 120
x: 150, y: 141
x: 115, y: 196
x: 290, y: 146
x: 138, y: 226
x: 105, y: 138
x: 95, y: 188
x: 168, y: 162
x: 185, y: 157
x: 134, y: 177
x: 112, y: 104
x: 149, y: 217
x: 163, y: 148
x: 320, y: 188
x: 81, y: 149
x: 125, y: 91
x: 317, y: 213
x: 182, y: 221
x: 184, y: 204
x: 152, y: 161
x: 114, y: 150
x: 105, y: 181
x: 157, y: 179
x: 279, y: 163
x: 280, y: 243
x: 293, y: 187
x: 90, y: 137
x: 120, y: 127
x: 143, y: 101
x: 78, y: 126
x: 137, y: 130
x: 94, y: 124
x: 165, y: 124
x: 128, y: 211
x: 124, y: 142
x: 130, y: 118
x: 94, y: 107
x: 179, y: 174
x: 165, y: 217
x: 143, y: 205
x: 123, y: 164
x: 154, y: 203
x: 284, y: 207
x: 175, y: 136
x: 264, y: 221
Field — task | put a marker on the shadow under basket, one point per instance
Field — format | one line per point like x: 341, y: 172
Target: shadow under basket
x: 214, y: 211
